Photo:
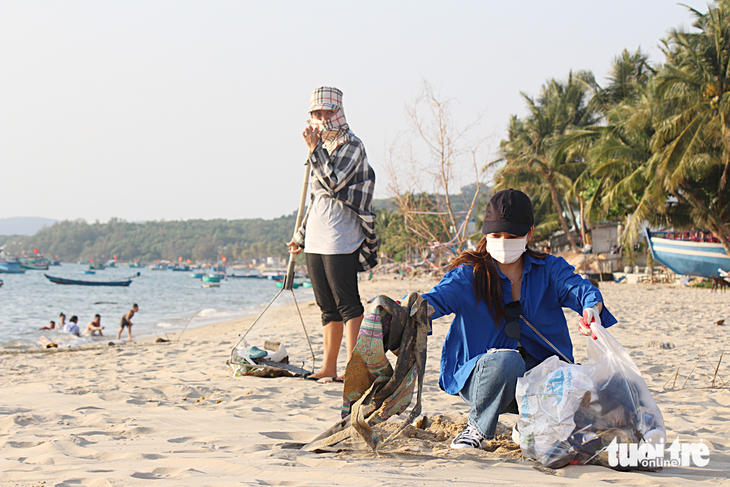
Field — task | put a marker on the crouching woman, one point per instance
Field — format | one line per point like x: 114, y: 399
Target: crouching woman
x: 507, y: 301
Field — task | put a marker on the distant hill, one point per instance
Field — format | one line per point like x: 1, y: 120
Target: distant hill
x: 23, y: 225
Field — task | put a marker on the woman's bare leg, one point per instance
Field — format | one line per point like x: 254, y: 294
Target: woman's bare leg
x: 332, y: 337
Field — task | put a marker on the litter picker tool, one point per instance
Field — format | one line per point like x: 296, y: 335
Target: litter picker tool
x: 289, y: 279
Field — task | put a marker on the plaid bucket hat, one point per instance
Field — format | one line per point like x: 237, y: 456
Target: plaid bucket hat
x: 325, y: 98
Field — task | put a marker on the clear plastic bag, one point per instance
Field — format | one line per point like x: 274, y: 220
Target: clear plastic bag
x: 572, y: 413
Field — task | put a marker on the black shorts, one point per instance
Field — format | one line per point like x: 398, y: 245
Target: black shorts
x: 334, y: 282
x: 125, y: 322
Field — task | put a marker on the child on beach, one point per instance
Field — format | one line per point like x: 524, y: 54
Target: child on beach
x: 339, y: 225
x: 497, y: 294
x: 93, y: 327
x: 127, y: 321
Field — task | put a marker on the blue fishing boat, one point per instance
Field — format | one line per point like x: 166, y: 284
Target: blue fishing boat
x: 77, y: 282
x: 11, y: 267
x: 688, y: 253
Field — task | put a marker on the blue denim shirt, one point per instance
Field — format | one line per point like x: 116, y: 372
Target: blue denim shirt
x: 548, y: 285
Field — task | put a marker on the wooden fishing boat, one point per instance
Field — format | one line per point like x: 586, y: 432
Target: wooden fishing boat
x: 10, y: 267
x: 694, y: 253
x: 211, y: 278
x: 78, y: 282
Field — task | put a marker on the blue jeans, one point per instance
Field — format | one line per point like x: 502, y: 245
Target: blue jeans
x: 490, y: 390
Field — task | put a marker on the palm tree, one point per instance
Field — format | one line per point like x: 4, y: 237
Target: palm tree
x: 532, y: 161
x: 617, y: 149
x: 691, y: 145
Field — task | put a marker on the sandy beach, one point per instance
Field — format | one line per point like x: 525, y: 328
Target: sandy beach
x: 171, y: 412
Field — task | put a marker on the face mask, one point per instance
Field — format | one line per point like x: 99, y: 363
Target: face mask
x: 506, y: 250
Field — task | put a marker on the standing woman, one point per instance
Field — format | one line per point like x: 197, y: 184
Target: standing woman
x: 501, y: 296
x: 338, y: 231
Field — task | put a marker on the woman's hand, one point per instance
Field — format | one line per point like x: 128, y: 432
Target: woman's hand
x: 294, y: 248
x: 311, y: 137
x: 590, y: 315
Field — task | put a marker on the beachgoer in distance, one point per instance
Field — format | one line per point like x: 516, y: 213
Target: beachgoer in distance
x: 127, y: 321
x: 61, y: 321
x: 51, y: 326
x: 495, y: 294
x: 93, y: 327
x: 338, y: 231
x: 72, y: 326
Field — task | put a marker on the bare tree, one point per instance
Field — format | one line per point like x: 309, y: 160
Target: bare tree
x: 422, y: 186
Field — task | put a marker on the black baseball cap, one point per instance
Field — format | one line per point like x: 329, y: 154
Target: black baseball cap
x: 509, y: 211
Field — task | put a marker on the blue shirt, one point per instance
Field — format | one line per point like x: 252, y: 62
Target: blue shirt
x: 548, y: 285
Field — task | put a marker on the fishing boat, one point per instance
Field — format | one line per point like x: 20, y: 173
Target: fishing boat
x: 695, y: 253
x: 89, y: 271
x: 294, y: 285
x: 197, y: 274
x: 10, y: 267
x: 78, y: 282
x: 34, y: 267
x: 211, y: 278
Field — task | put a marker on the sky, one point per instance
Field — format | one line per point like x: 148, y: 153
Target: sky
x: 177, y: 110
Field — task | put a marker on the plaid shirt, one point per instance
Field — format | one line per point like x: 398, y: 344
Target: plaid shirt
x: 347, y: 176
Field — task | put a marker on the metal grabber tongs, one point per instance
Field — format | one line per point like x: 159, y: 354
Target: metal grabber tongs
x: 289, y: 279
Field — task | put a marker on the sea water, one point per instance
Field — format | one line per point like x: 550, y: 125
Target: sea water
x: 168, y: 302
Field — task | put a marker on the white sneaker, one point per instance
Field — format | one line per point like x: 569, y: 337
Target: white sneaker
x: 468, y: 438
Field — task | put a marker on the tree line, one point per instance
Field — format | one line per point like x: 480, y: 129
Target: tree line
x: 197, y: 240
x: 653, y: 144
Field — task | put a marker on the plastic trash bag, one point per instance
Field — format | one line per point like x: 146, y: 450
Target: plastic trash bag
x: 548, y: 397
x: 572, y: 413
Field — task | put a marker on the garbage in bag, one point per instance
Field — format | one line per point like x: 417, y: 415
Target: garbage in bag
x: 571, y: 413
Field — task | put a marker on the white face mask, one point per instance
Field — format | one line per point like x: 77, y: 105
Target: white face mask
x: 506, y: 250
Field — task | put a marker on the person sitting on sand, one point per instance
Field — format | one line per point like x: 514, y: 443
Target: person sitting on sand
x: 93, y: 327
x: 338, y: 232
x: 500, y: 295
x: 51, y: 326
x: 72, y: 326
x: 127, y: 321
